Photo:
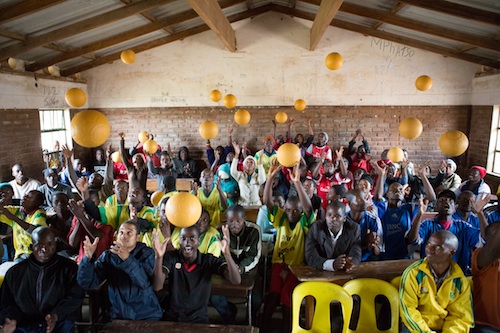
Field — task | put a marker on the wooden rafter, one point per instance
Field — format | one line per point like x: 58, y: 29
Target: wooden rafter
x: 395, y: 38
x: 148, y: 17
x: 211, y: 13
x: 21, y: 9
x: 456, y: 9
x: 394, y: 10
x: 79, y: 27
x: 162, y: 41
x: 326, y: 12
x: 424, y: 27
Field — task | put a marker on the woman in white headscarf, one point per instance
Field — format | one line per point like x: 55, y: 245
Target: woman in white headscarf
x: 446, y: 178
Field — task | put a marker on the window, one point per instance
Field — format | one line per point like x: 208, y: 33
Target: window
x: 493, y: 164
x: 55, y: 127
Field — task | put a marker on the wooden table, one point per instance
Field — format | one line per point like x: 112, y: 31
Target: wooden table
x: 221, y: 286
x: 383, y: 270
x: 133, y: 326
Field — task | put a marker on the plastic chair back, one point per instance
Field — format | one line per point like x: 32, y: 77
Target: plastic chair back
x: 324, y: 293
x: 396, y: 281
x: 368, y: 289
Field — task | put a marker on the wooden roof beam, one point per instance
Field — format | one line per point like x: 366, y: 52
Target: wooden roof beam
x: 326, y: 12
x: 211, y: 13
x: 79, y: 27
x: 23, y: 8
x: 394, y: 10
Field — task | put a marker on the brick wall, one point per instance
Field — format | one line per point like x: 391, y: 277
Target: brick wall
x: 20, y: 142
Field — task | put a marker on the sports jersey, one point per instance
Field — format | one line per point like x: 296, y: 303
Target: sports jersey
x: 472, y: 219
x: 212, y: 204
x: 267, y: 159
x: 208, y: 241
x: 112, y: 201
x: 370, y: 222
x: 315, y: 151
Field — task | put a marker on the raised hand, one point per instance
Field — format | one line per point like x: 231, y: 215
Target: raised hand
x: 294, y: 173
x: 225, y: 240
x: 422, y: 204
x: 237, y: 149
x: 118, y: 249
x: 66, y: 152
x: 380, y: 170
x: 159, y: 246
x: 133, y: 212
x: 121, y: 135
x: 76, y: 208
x: 90, y: 247
x: 82, y: 184
x: 481, y: 200
x: 339, y: 153
x: 273, y: 168
x: 194, y: 187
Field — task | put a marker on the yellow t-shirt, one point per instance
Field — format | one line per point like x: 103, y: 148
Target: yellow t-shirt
x: 208, y: 241
x: 290, y: 244
x: 212, y: 204
x: 22, y: 239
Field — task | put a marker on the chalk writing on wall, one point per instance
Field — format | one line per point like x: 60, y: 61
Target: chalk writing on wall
x: 392, y: 48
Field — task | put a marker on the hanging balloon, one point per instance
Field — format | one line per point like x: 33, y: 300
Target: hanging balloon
x: 410, y: 128
x: 75, y: 97
x: 453, y: 143
x: 208, y: 129
x: 143, y: 136
x: 289, y: 154
x: 396, y: 155
x: 242, y: 117
x: 423, y: 83
x: 281, y: 117
x: 334, y: 61
x: 183, y: 209
x: 300, y: 105
x: 90, y: 128
x: 116, y: 157
x: 128, y: 56
x: 230, y: 101
x: 215, y: 96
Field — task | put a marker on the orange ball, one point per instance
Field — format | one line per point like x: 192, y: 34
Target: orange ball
x: 143, y: 136
x: 215, y: 96
x: 75, y: 97
x: 242, y: 117
x: 281, y: 117
x: 183, y: 209
x: 423, y: 83
x: 300, y: 105
x: 150, y: 146
x: 289, y: 154
x: 334, y: 61
x: 90, y: 128
x: 208, y: 129
x: 230, y: 101
x: 453, y: 143
x: 396, y: 154
x: 116, y: 157
x: 156, y: 197
x: 128, y: 56
x: 410, y: 128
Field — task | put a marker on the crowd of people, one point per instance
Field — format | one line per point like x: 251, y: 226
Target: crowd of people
x: 335, y: 209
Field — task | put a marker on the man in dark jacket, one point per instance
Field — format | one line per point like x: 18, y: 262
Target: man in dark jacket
x: 334, y: 244
x: 41, y: 293
x: 128, y: 266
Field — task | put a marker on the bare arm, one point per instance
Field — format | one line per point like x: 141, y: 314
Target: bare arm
x: 123, y: 153
x: 160, y: 248
x: 429, y: 190
x: 379, y: 187
x: 303, y: 197
x: 340, y: 156
x: 222, y: 196
x: 417, y: 221
x: 477, y: 208
x: 268, y: 188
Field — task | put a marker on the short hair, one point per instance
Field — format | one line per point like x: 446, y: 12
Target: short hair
x: 55, y: 194
x: 236, y: 209
x: 39, y: 197
x: 41, y: 231
x: 449, y: 194
x: 164, y: 152
x: 194, y: 227
x: 351, y: 194
x: 293, y: 199
x: 468, y: 192
x: 340, y: 190
x: 336, y: 205
x: 448, y: 237
x: 135, y: 224
x: 278, y: 193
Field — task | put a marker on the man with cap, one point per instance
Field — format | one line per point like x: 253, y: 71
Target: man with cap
x: 52, y: 186
x: 475, y: 182
x: 468, y: 236
x: 446, y: 178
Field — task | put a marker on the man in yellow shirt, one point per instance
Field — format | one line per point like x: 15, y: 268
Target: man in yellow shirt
x: 435, y: 294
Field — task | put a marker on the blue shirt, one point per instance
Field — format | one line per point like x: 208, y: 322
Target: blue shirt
x: 368, y: 222
x: 468, y: 237
x: 396, y: 222
x: 472, y: 219
x: 493, y: 217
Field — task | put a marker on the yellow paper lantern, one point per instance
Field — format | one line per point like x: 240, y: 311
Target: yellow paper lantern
x: 208, y: 129
x: 423, y: 83
x: 183, y: 209
x: 128, y: 56
x: 300, y: 105
x: 396, y: 154
x: 150, y: 146
x: 75, y: 97
x: 453, y: 143
x: 90, y: 128
x: 215, y: 96
x: 156, y: 197
x: 12, y: 63
x: 334, y: 61
x: 242, y: 117
x: 116, y: 157
x: 143, y: 136
x: 289, y: 154
x: 281, y: 117
x: 410, y: 128
x: 230, y: 101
